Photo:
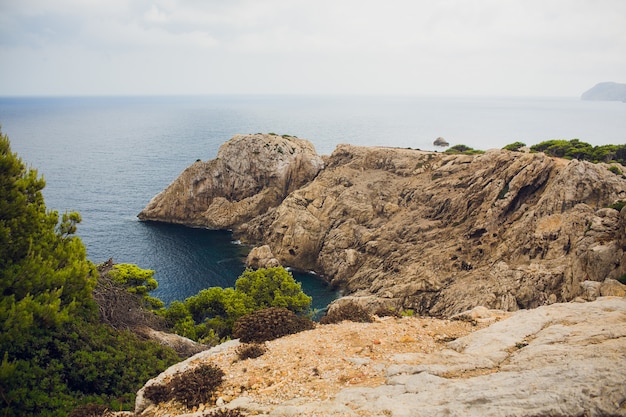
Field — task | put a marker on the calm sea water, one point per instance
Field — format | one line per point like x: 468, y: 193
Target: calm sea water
x: 106, y: 157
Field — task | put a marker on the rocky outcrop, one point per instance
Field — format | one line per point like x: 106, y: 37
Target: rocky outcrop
x: 408, y: 229
x: 251, y: 174
x: 441, y: 142
x: 443, y: 233
x: 608, y: 91
x: 557, y: 360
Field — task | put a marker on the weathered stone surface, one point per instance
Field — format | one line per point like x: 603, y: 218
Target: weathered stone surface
x: 250, y: 174
x: 443, y: 233
x: 408, y: 229
x: 558, y: 360
x: 261, y: 257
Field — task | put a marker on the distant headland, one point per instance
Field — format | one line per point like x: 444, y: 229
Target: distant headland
x: 606, y: 91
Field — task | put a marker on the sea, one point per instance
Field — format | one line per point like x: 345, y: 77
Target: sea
x: 106, y: 157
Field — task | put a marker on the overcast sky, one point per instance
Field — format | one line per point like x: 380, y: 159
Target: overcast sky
x: 433, y: 47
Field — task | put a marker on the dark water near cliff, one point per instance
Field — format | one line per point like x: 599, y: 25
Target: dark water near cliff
x: 107, y: 157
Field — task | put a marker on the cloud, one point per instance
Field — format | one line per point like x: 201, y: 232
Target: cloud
x: 538, y: 47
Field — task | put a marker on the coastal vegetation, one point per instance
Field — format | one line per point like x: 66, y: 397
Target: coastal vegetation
x: 577, y: 149
x: 55, y: 353
x: 209, y: 316
x: 462, y: 149
x: 583, y: 151
x: 61, y: 348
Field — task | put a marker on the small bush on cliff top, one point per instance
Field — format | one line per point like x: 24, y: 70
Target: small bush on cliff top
x: 347, y: 311
x: 250, y: 351
x: 583, y: 151
x: 462, y: 149
x: 515, y: 146
x: 269, y: 324
x: 191, y: 388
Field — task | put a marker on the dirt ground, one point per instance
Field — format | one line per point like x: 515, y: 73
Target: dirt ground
x: 317, y: 364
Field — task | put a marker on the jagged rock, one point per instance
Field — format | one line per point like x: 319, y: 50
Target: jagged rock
x: 261, y: 257
x: 504, y: 230
x: 611, y: 287
x: 183, y: 346
x: 436, y: 233
x: 251, y: 174
x: 441, y: 142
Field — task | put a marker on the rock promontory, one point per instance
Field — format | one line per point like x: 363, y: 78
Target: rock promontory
x: 407, y: 229
x: 251, y: 174
x: 606, y: 91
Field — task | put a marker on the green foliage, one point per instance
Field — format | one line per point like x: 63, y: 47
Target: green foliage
x: 503, y: 192
x: 462, y: 149
x: 576, y: 149
x: 622, y: 279
x: 269, y: 324
x: 191, y: 388
x: 615, y: 170
x: 137, y: 281
x: 209, y: 316
x: 619, y: 205
x: 273, y: 287
x: 515, y: 146
x: 55, y: 354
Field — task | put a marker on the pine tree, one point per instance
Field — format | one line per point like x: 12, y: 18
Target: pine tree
x: 44, y: 273
x: 54, y: 352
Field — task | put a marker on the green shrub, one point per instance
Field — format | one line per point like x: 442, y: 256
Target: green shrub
x: 622, y: 279
x: 515, y: 146
x: 209, y: 316
x: 618, y: 205
x: 615, y: 170
x: 462, y: 149
x: 347, y: 311
x: 576, y: 149
x: 269, y: 324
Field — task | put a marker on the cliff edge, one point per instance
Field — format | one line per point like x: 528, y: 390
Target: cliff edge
x: 557, y: 360
x: 406, y: 229
x: 251, y: 174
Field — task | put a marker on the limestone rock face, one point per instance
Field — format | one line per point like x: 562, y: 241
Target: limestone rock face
x: 443, y: 233
x: 251, y: 174
x: 261, y: 257
x: 409, y: 229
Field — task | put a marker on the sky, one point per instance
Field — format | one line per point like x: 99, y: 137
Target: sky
x: 547, y: 48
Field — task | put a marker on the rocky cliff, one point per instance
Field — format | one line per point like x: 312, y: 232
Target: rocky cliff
x: 414, y: 230
x: 251, y: 174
